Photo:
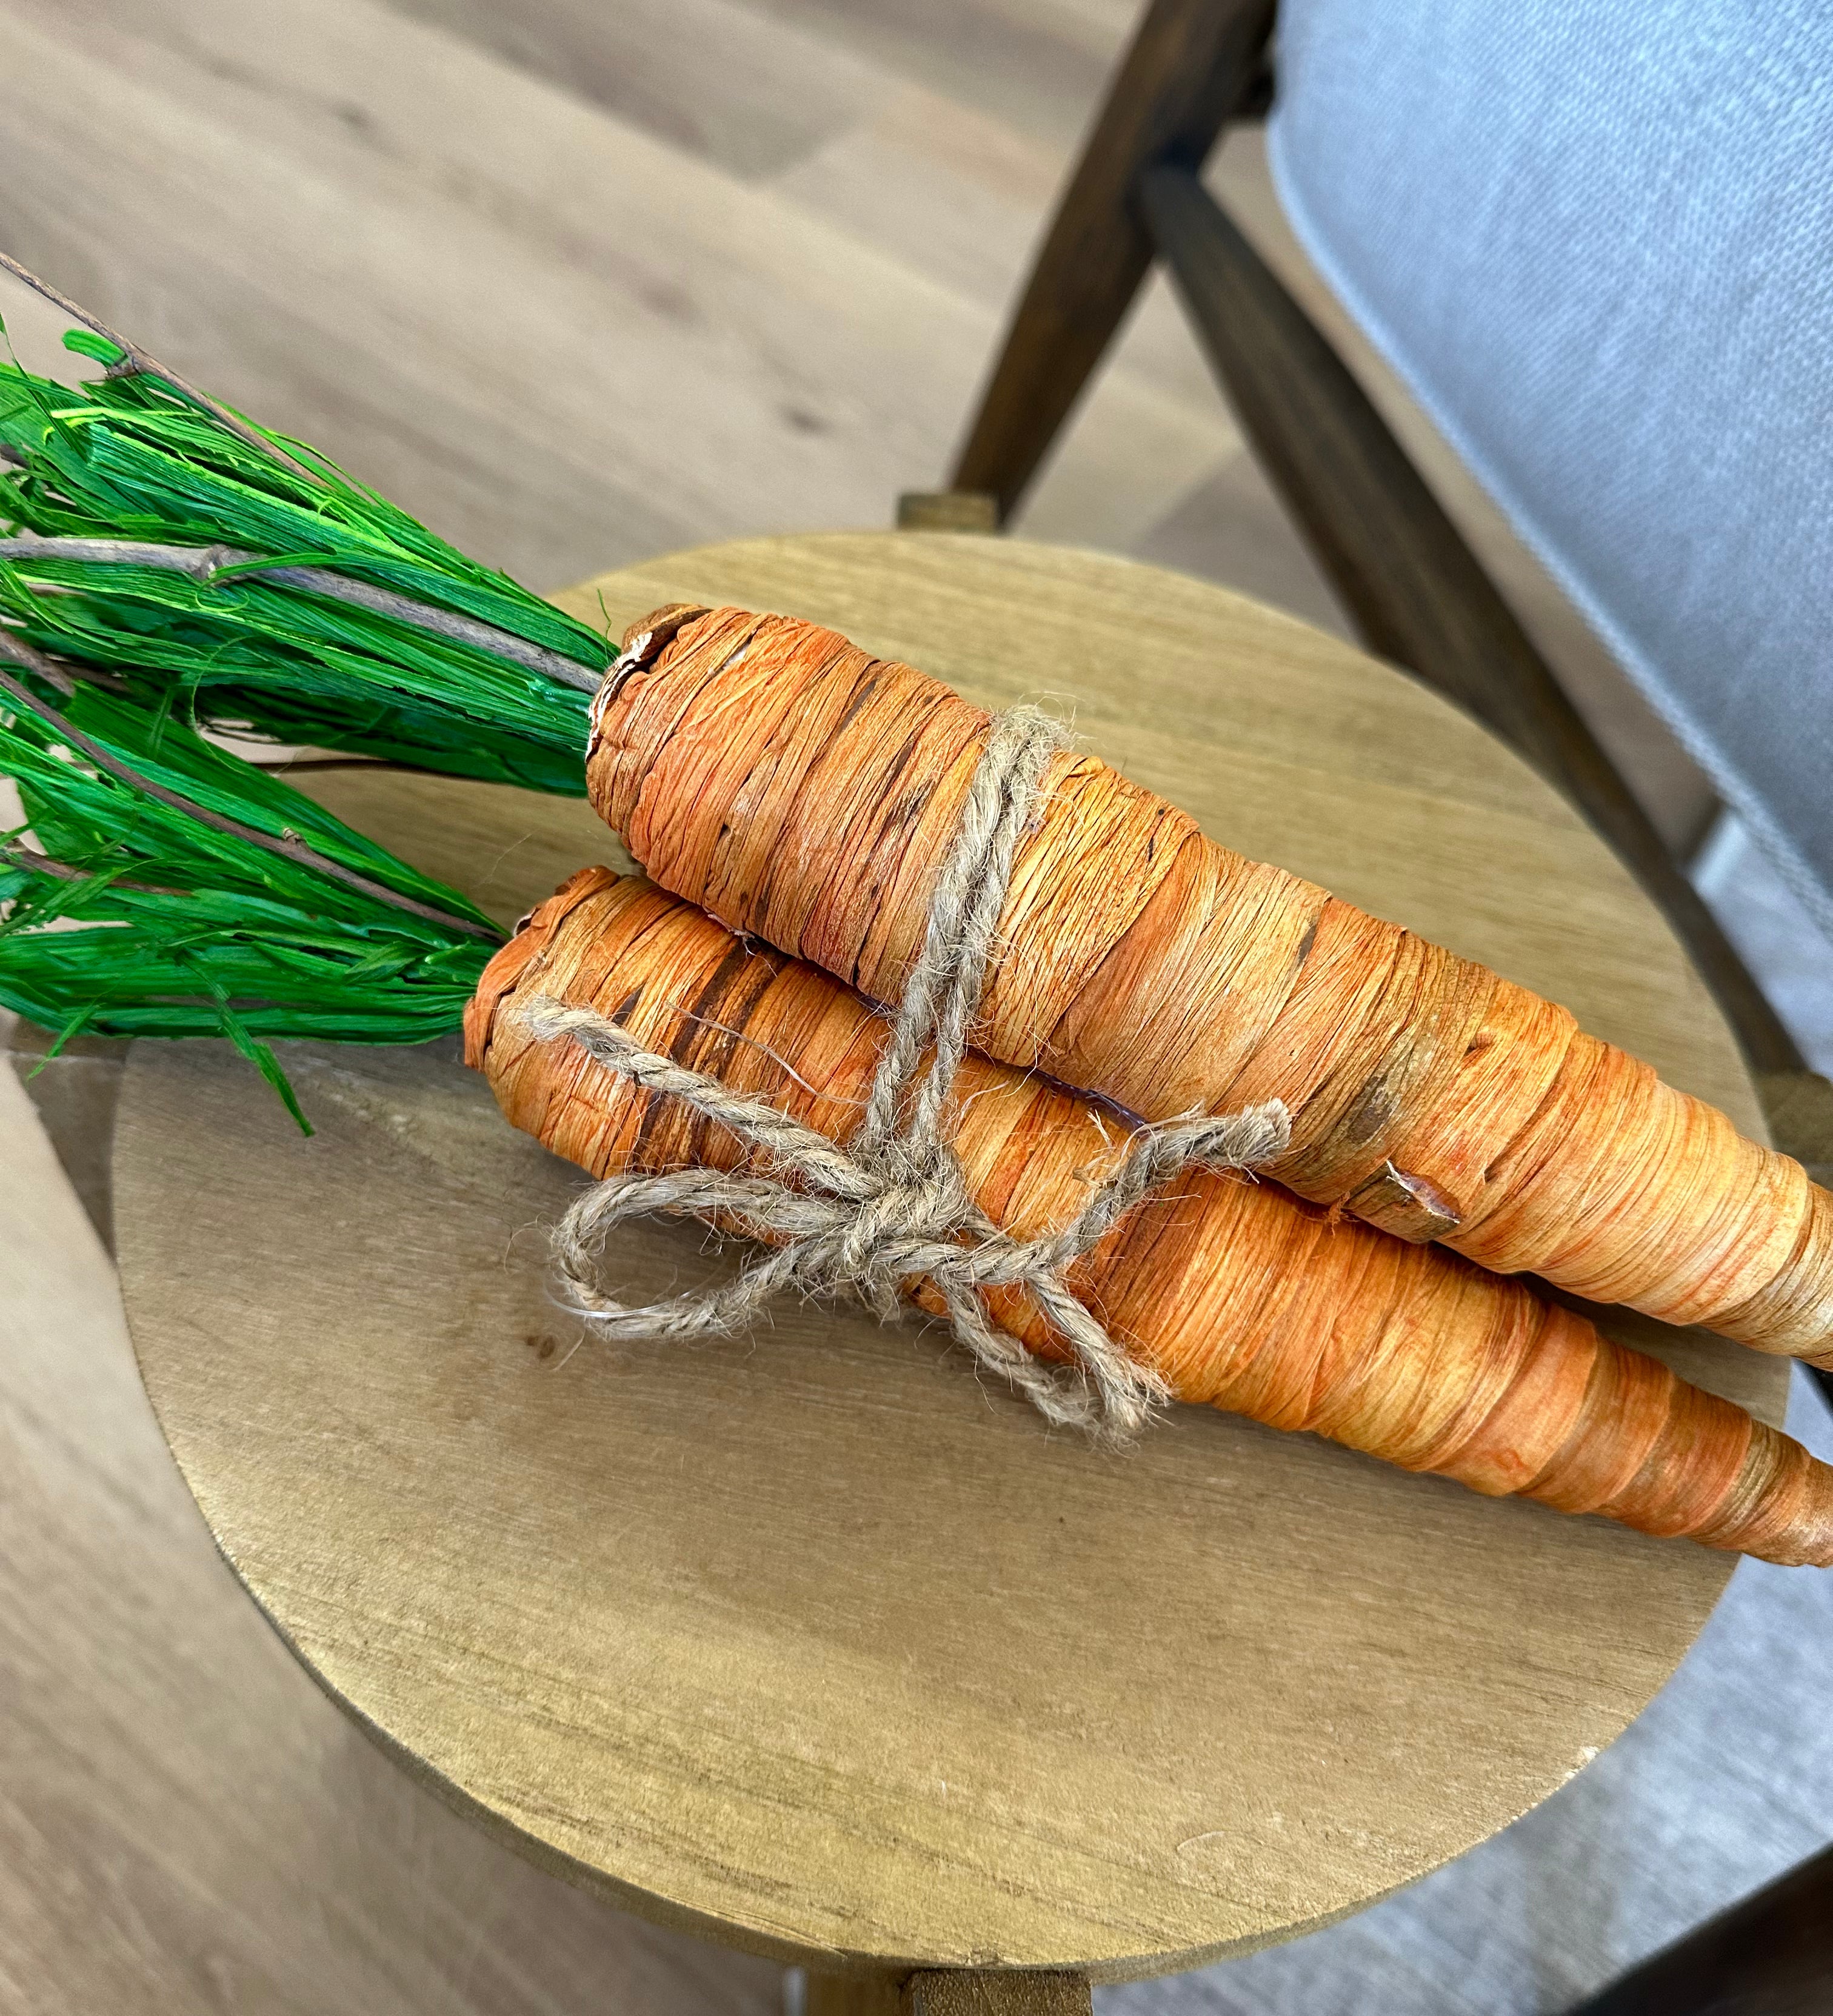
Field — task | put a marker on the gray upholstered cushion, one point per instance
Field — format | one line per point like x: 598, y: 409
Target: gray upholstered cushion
x: 1597, y: 241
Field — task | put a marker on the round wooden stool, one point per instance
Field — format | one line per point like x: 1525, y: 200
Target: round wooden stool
x: 812, y: 1641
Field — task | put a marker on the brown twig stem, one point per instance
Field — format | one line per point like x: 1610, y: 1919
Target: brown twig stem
x: 142, y: 363
x: 51, y: 671
x: 203, y: 563
x: 35, y: 863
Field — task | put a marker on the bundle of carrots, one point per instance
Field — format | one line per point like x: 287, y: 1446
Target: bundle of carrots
x: 804, y: 792
x: 772, y: 777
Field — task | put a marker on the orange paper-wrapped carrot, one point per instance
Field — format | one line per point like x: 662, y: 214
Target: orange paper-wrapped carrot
x: 801, y: 790
x: 1239, y: 1294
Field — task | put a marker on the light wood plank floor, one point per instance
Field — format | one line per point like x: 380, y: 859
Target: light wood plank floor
x: 579, y: 282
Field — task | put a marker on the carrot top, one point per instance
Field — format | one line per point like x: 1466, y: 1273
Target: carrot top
x: 161, y: 886
x: 243, y: 579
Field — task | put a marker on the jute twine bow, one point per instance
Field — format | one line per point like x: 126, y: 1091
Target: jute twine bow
x: 893, y: 1206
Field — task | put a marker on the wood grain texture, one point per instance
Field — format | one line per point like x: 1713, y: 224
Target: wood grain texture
x: 857, y: 1994
x: 564, y: 334
x: 775, y: 93
x: 809, y: 1640
x: 962, y: 1994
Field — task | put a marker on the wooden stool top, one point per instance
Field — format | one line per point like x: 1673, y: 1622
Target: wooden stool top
x: 810, y: 1641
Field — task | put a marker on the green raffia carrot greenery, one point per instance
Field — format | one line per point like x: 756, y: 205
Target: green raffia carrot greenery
x: 163, y: 887
x: 145, y: 534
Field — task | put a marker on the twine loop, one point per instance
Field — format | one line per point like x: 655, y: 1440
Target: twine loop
x: 893, y: 1207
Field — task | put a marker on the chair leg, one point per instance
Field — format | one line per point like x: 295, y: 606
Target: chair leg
x: 1191, y: 62
x: 1770, y: 1956
x: 1416, y: 592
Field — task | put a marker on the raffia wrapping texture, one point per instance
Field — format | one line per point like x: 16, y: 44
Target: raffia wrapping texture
x: 804, y: 792
x: 892, y: 1205
x: 1234, y: 1293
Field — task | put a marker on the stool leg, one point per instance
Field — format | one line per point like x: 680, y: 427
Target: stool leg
x: 851, y: 1995
x: 973, y: 1991
x: 954, y: 1991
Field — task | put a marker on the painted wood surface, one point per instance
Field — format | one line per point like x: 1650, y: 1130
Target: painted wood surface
x: 810, y: 1641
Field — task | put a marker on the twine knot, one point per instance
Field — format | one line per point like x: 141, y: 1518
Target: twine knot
x: 893, y: 1207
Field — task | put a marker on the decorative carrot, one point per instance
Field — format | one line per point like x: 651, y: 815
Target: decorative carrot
x: 164, y: 888
x: 804, y: 792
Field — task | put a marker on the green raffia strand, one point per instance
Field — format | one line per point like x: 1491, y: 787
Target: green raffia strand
x: 124, y: 458
x: 173, y: 929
